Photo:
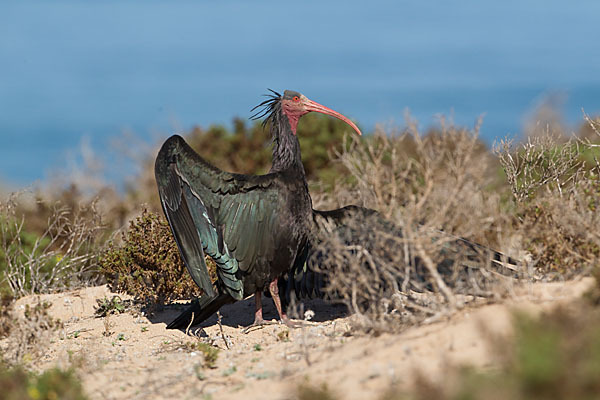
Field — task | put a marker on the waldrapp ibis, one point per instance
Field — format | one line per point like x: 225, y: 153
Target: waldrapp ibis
x: 354, y: 227
x: 254, y: 227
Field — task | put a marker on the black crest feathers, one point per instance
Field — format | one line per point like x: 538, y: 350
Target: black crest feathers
x: 268, y: 108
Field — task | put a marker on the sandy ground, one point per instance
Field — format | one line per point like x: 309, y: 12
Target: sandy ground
x: 131, y: 356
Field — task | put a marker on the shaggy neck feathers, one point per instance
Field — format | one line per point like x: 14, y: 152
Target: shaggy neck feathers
x: 286, y: 147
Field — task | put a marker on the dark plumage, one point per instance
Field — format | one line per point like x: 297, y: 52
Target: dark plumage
x: 355, y: 226
x: 254, y: 227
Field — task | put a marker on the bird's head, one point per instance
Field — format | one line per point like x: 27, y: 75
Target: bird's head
x: 294, y: 105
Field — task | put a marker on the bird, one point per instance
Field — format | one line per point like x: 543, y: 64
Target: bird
x: 254, y: 227
x: 339, y: 234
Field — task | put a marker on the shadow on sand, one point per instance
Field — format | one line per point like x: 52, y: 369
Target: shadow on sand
x: 241, y: 313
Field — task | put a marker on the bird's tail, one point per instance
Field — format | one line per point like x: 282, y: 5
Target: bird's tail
x: 201, y: 309
x: 477, y: 256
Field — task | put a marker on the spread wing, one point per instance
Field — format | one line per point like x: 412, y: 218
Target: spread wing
x: 356, y: 226
x: 230, y: 217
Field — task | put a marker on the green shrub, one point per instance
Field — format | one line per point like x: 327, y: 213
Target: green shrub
x: 210, y: 353
x: 147, y: 265
x: 553, y: 356
x: 305, y: 391
x: 114, y: 305
x: 18, y: 384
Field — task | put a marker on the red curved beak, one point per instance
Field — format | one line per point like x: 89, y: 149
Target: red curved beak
x: 316, y: 107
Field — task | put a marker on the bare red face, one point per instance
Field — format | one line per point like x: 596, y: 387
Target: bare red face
x: 295, y: 105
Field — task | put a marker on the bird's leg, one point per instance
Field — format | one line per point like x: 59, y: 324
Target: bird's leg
x: 274, y: 289
x: 258, y: 316
x: 259, y: 322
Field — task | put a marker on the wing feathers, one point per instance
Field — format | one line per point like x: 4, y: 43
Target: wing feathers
x: 227, y: 216
x: 186, y: 235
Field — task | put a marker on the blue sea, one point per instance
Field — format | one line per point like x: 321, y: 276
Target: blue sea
x: 73, y: 72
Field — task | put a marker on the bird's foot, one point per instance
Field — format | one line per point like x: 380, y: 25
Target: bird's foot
x: 290, y: 323
x: 258, y: 323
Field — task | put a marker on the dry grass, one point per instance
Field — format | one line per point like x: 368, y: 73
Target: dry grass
x: 436, y: 187
x: 556, y: 190
x: 62, y: 255
x: 411, y: 266
x: 27, y: 333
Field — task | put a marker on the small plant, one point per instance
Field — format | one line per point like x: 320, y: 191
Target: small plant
x: 210, y: 353
x: 306, y: 391
x: 113, y: 306
x: 107, y: 325
x: 284, y: 336
x: 199, y: 372
x: 260, y: 375
x: 257, y: 347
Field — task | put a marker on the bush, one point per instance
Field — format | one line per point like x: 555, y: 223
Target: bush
x: 147, y: 265
x: 305, y: 391
x: 18, y: 384
x: 6, y: 304
x: 556, y: 195
x: 61, y: 256
x: 432, y: 189
x: 26, y: 333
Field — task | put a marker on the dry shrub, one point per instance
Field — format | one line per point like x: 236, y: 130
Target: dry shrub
x: 441, y: 180
x: 61, y: 256
x: 412, y: 265
x: 28, y: 333
x: 6, y: 304
x: 557, y: 197
x: 439, y: 187
x: 390, y: 276
x: 146, y: 263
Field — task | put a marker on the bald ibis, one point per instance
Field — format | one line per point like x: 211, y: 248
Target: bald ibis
x: 254, y: 227
x: 356, y: 227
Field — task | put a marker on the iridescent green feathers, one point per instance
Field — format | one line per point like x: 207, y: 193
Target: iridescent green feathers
x: 228, y: 216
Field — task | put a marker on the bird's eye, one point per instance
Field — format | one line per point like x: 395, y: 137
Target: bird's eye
x: 296, y: 98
